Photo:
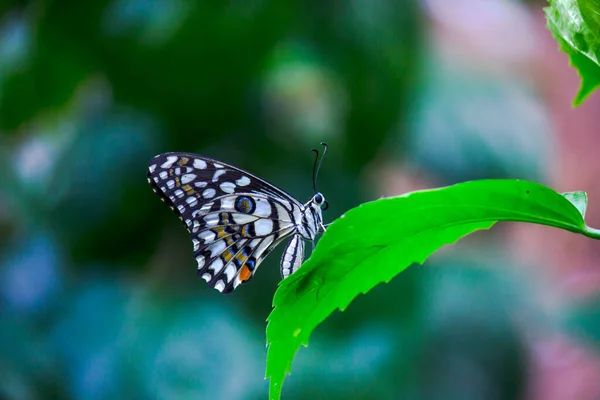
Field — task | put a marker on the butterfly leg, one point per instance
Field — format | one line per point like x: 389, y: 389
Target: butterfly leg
x: 323, y: 226
x: 293, y: 256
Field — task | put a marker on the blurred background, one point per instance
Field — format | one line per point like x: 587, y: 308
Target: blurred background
x: 98, y: 291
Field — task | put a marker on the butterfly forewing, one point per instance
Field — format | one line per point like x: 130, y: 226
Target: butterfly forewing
x: 234, y: 218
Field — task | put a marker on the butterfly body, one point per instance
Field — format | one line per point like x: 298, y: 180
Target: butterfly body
x: 234, y: 218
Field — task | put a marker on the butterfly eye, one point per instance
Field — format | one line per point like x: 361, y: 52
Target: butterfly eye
x: 325, y: 206
x: 319, y: 198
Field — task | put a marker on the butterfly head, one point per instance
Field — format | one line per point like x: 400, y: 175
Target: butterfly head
x: 312, y: 220
x: 320, y: 201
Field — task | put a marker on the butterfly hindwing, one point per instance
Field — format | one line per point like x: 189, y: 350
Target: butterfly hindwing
x: 234, y: 218
x: 228, y: 253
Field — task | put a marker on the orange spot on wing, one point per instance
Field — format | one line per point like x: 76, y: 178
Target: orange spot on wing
x: 245, y: 273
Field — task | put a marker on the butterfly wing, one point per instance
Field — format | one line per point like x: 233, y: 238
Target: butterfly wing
x: 234, y: 218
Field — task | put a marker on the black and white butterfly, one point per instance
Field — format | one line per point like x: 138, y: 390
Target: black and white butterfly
x: 235, y: 218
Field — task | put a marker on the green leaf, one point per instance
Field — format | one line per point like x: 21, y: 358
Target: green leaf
x: 376, y: 241
x: 575, y: 24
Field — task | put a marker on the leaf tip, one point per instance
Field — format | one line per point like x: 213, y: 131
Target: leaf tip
x: 579, y: 200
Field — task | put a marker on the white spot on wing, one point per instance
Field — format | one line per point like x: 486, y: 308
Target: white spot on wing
x: 230, y: 272
x: 181, y: 208
x: 200, y: 184
x: 196, y: 226
x: 192, y: 201
x: 209, y: 193
x: 187, y: 178
x: 179, y: 193
x: 163, y: 174
x: 263, y: 208
x: 171, y: 184
x: 207, y: 236
x: 196, y: 244
x: 217, y: 165
x: 227, y: 187
x: 217, y: 248
x: 216, y: 265
x: 220, y: 285
x: 217, y: 174
x: 243, y: 218
x: 170, y: 161
x: 206, y: 277
x: 152, y: 168
x: 243, y: 181
x: 200, y: 261
x: 200, y: 164
x: 211, y: 220
x: 263, y: 227
x: 227, y: 202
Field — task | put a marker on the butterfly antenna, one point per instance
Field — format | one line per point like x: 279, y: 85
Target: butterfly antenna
x: 315, y: 169
x: 317, y: 164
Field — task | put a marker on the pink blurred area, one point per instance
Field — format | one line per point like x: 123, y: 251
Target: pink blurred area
x: 498, y: 37
x: 565, y: 368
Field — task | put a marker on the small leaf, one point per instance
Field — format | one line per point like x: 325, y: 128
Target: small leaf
x: 575, y: 24
x: 376, y: 241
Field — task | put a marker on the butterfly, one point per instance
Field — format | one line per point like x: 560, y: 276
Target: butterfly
x: 235, y: 219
